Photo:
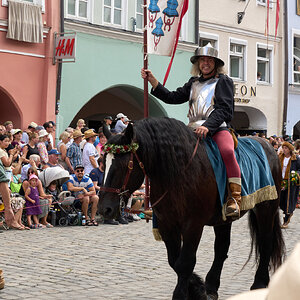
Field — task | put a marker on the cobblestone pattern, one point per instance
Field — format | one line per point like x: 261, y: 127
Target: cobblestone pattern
x: 114, y: 262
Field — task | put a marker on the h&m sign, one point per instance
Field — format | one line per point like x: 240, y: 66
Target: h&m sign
x: 65, y: 46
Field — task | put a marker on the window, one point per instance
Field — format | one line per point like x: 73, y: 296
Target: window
x: 264, y: 63
x: 40, y: 2
x: 78, y: 9
x: 237, y: 61
x: 203, y: 42
x: 139, y: 14
x: 205, y: 38
x: 296, y: 60
x: 113, y: 12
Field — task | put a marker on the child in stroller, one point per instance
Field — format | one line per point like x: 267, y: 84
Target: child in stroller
x: 63, y: 211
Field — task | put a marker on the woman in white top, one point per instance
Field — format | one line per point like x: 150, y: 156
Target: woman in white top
x: 290, y: 165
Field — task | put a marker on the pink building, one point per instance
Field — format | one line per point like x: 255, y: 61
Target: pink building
x: 28, y: 76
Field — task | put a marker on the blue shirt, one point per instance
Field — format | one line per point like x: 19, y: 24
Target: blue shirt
x: 97, y: 175
x: 74, y: 155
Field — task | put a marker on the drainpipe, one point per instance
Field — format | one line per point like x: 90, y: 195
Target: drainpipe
x: 286, y: 68
x: 197, y: 22
x: 59, y: 70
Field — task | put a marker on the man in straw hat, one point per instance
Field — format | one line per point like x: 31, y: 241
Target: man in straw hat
x: 284, y: 285
x: 90, y: 154
x: 211, y: 105
x: 290, y: 166
x: 74, y: 156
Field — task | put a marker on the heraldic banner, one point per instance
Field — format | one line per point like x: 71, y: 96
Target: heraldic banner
x: 163, y: 21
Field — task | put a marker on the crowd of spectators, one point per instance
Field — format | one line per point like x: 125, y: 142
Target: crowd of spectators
x: 24, y: 154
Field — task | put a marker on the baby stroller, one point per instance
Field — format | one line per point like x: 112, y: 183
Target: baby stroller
x: 63, y: 211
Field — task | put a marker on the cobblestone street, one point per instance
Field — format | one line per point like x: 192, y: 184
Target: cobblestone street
x: 114, y: 262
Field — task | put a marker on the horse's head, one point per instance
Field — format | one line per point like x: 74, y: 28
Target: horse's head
x: 122, y: 172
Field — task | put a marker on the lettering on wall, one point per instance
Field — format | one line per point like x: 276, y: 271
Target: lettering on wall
x: 243, y: 93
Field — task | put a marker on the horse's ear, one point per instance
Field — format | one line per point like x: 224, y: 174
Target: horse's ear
x: 106, y: 131
x: 128, y: 134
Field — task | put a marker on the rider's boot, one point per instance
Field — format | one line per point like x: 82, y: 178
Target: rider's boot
x: 232, y: 208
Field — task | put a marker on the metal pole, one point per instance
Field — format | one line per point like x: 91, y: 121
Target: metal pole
x: 146, y: 103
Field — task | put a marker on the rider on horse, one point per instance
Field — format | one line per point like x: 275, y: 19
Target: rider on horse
x: 211, y: 105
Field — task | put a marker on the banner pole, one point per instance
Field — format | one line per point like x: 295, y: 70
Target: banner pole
x: 146, y: 102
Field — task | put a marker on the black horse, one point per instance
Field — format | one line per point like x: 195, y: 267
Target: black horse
x: 189, y: 200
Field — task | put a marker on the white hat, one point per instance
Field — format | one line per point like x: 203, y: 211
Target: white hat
x: 15, y: 131
x: 120, y: 115
x: 33, y: 125
x: 43, y: 133
x: 284, y: 284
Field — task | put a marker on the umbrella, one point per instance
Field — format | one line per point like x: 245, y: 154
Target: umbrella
x: 54, y: 174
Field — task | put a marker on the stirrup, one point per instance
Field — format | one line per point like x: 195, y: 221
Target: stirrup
x: 235, y: 213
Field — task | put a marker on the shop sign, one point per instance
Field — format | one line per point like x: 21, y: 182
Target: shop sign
x: 64, y: 50
x: 243, y: 93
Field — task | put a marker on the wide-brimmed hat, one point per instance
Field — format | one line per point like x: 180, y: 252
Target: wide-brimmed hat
x: 77, y: 133
x: 89, y: 133
x: 207, y: 50
x: 120, y: 115
x: 43, y: 133
x: 33, y: 125
x: 284, y: 284
x: 290, y: 146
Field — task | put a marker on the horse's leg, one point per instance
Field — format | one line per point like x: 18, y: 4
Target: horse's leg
x: 172, y: 241
x: 262, y: 219
x: 186, y: 261
x: 222, y: 242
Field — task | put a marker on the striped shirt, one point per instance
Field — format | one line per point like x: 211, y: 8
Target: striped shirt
x: 85, y: 182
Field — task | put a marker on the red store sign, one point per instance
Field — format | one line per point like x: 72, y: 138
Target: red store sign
x: 65, y: 47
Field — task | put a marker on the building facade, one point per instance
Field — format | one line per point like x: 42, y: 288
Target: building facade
x: 252, y: 60
x: 292, y: 125
x: 28, y: 81
x: 105, y: 78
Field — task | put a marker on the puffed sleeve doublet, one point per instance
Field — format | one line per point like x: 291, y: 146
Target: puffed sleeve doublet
x: 181, y: 95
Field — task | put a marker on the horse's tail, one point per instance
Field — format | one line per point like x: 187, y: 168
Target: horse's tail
x: 277, y: 245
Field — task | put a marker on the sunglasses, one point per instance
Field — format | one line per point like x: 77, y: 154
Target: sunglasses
x: 79, y: 171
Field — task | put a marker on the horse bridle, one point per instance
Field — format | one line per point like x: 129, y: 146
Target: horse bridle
x: 121, y: 191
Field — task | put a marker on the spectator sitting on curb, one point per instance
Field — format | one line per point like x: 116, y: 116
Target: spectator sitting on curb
x: 34, y: 162
x: 97, y: 177
x: 83, y: 189
x: 74, y: 156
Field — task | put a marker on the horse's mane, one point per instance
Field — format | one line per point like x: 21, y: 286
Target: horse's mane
x: 166, y: 146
